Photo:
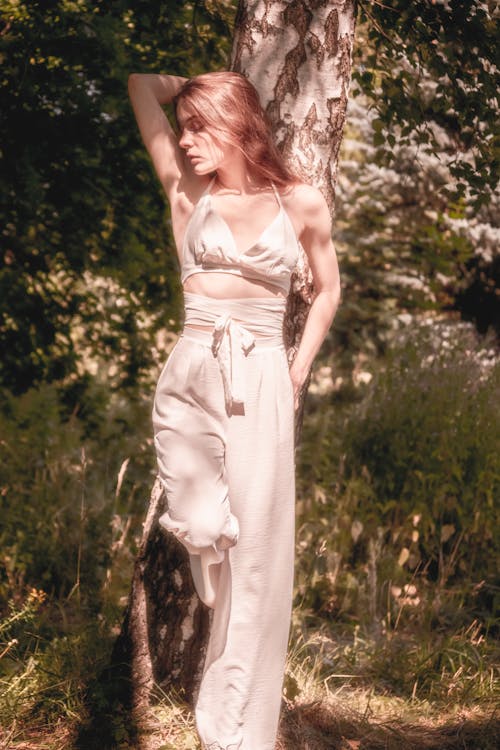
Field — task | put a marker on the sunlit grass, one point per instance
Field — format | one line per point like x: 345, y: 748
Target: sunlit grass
x: 342, y: 685
x: 386, y: 652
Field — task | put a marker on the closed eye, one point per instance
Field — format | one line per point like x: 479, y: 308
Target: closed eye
x: 193, y: 125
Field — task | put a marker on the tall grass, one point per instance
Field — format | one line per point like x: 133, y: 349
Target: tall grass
x: 397, y: 514
x: 75, y: 485
x: 396, y: 607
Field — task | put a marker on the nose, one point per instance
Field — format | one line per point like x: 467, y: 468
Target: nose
x: 185, y: 140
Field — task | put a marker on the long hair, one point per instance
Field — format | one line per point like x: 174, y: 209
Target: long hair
x: 229, y: 103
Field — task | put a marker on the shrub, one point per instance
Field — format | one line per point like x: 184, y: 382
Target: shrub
x: 404, y: 505
x: 58, y: 476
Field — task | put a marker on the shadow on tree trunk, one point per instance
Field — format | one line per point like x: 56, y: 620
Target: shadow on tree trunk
x: 161, y: 646
x: 111, y: 720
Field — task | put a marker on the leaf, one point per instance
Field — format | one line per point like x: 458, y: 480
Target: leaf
x: 447, y: 531
x: 404, y: 556
x: 356, y: 530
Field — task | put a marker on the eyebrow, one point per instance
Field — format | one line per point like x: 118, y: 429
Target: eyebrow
x: 182, y: 124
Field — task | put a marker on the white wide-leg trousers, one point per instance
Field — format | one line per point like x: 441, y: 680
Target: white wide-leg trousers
x: 230, y: 486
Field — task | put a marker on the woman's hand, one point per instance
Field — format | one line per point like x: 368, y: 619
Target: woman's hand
x: 163, y: 87
x: 298, y: 377
x: 312, y: 214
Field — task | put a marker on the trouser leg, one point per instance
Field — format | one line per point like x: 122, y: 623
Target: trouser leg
x: 240, y: 694
x: 190, y: 425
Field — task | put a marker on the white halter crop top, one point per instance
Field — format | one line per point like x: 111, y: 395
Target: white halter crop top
x: 209, y: 246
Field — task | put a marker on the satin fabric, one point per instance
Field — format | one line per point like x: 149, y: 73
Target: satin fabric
x: 209, y: 246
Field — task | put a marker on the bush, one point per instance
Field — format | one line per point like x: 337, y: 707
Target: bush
x: 58, y: 483
x: 403, y: 509
x: 76, y: 469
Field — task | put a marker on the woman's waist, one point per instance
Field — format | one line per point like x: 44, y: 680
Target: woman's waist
x: 261, y: 316
x: 231, y: 283
x: 206, y: 337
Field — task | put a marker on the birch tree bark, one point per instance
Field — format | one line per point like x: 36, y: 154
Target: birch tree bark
x: 298, y: 55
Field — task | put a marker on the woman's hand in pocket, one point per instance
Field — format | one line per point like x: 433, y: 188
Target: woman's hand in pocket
x: 298, y: 377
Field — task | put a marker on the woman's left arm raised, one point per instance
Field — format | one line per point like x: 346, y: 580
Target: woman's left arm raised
x: 316, y: 239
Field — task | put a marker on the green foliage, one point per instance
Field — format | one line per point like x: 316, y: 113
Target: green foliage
x: 452, y: 44
x: 74, y: 487
x: 406, y: 481
x: 60, y: 507
x: 405, y: 246
x: 43, y: 671
x: 426, y: 671
x: 78, y: 192
x: 398, y: 537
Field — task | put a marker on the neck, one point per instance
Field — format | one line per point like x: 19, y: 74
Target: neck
x: 234, y: 178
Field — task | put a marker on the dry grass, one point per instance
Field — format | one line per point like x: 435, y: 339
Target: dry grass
x: 356, y: 721
x: 60, y: 736
x: 338, y: 696
x: 321, y: 725
x: 323, y: 709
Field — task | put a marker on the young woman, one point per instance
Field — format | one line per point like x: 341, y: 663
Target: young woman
x: 224, y: 406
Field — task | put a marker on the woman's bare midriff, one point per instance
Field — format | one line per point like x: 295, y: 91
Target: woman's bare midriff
x: 227, y: 286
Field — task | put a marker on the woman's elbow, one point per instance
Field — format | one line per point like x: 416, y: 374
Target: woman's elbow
x: 330, y: 301
x: 334, y: 297
x: 135, y: 80
x: 132, y: 80
x: 334, y: 294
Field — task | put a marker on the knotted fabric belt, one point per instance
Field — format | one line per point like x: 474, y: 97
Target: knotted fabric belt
x: 228, y: 322
x: 230, y: 344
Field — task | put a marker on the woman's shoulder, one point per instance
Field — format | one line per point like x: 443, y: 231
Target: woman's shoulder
x: 305, y: 200
x: 187, y: 193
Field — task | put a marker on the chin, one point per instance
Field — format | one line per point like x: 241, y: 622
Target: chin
x: 203, y: 169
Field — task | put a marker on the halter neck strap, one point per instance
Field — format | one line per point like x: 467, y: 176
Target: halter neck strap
x: 277, y: 195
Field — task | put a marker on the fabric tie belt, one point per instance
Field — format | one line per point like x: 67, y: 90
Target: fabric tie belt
x: 231, y: 342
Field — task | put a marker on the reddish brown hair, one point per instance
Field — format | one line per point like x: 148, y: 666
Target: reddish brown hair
x: 229, y: 103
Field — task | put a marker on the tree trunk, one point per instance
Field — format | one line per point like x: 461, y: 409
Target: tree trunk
x: 298, y: 55
x: 166, y: 626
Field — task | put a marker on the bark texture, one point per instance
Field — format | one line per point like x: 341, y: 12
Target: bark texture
x: 298, y: 55
x: 165, y: 629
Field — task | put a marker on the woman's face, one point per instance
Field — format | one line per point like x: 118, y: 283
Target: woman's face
x: 203, y: 149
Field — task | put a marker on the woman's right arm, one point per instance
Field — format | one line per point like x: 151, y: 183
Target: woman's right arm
x: 148, y: 91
